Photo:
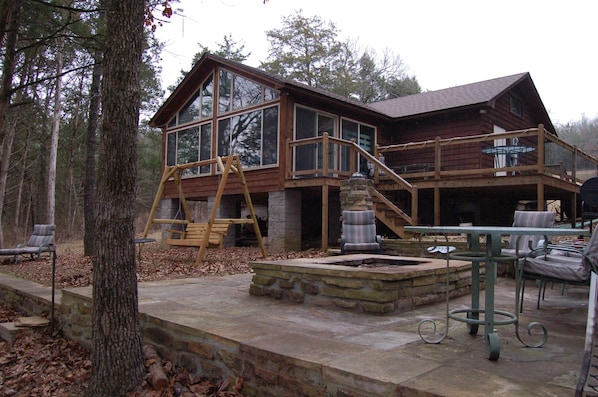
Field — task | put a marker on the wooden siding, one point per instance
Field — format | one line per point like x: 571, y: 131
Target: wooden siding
x: 200, y: 188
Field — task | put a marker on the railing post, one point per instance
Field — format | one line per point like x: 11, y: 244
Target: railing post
x: 352, y: 157
x: 414, y: 206
x: 541, y: 149
x: 437, y: 158
x: 325, y: 159
x: 574, y: 164
x: 289, y: 160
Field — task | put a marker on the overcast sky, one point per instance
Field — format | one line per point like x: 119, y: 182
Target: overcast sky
x: 443, y: 43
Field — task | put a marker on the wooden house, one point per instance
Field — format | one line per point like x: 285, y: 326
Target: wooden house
x: 469, y: 153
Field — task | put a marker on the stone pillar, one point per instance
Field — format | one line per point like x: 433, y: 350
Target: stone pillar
x: 355, y: 193
x: 226, y: 209
x: 284, y: 221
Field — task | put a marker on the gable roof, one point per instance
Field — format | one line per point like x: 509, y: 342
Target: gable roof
x: 208, y: 61
x: 480, y: 93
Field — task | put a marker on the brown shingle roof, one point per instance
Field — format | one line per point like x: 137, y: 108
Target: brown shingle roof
x: 479, y: 93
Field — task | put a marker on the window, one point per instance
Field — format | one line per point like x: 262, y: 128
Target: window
x: 237, y: 92
x: 198, y: 107
x: 190, y: 145
x: 253, y: 136
x: 516, y: 106
x: 362, y: 134
x: 310, y: 123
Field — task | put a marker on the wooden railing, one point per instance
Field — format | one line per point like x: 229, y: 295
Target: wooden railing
x: 464, y: 157
x: 339, y: 158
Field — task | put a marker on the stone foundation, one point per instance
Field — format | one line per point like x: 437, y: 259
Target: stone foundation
x: 376, y: 284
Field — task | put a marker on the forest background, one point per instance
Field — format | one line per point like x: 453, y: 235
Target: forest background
x: 49, y: 89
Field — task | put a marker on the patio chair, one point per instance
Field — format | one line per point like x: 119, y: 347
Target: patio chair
x: 521, y: 246
x: 41, y: 240
x: 359, y: 232
x: 567, y: 263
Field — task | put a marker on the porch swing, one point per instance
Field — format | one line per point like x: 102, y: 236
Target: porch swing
x: 204, y: 235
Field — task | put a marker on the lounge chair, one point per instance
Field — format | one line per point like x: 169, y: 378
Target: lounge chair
x: 41, y: 240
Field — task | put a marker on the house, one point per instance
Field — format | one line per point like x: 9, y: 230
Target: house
x: 434, y: 157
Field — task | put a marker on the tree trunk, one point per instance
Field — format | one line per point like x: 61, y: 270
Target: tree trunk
x: 11, y: 13
x: 51, y: 197
x: 117, y: 358
x: 89, y: 237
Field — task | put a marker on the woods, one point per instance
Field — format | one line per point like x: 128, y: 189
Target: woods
x: 49, y: 111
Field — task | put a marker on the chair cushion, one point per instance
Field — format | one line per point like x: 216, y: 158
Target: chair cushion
x: 361, y: 247
x: 530, y: 219
x: 558, y: 267
x: 42, y: 234
x: 359, y: 234
x: 359, y: 217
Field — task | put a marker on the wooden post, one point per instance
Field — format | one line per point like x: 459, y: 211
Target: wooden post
x: 541, y: 148
x: 325, y: 158
x: 166, y: 175
x: 256, y: 225
x: 437, y: 159
x: 206, y: 238
x: 540, y: 193
x: 436, y: 206
x: 325, y: 206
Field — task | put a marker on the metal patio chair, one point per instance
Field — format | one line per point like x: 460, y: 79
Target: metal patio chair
x: 520, y: 246
x: 567, y: 263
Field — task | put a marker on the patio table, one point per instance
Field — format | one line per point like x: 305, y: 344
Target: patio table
x: 508, y: 151
x: 491, y: 256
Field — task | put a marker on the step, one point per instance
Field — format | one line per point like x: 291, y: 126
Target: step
x: 9, y: 331
x: 23, y: 325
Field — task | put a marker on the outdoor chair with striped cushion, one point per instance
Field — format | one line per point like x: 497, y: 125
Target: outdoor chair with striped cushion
x: 359, y: 232
x: 41, y: 240
x: 520, y: 245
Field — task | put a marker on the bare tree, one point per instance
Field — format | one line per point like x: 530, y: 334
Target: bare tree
x: 9, y: 20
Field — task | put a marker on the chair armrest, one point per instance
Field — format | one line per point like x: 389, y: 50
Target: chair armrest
x: 572, y: 247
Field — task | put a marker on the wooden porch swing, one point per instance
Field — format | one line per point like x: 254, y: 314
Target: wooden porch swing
x: 204, y: 235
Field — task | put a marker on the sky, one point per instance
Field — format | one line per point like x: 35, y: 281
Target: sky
x: 443, y: 43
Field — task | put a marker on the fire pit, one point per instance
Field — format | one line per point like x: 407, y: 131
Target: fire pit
x: 368, y: 283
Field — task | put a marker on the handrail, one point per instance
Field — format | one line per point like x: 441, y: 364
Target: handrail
x: 552, y: 156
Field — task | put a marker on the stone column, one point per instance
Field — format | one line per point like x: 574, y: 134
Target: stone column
x: 284, y: 221
x: 355, y: 193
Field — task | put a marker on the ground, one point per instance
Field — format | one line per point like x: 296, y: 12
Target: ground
x: 44, y: 364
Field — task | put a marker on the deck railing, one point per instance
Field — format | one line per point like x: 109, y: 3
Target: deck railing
x: 540, y: 152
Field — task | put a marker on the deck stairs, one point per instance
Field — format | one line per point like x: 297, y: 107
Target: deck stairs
x: 392, y: 196
x: 390, y: 213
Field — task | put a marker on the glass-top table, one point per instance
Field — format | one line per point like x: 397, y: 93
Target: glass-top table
x: 505, y: 155
x: 490, y: 256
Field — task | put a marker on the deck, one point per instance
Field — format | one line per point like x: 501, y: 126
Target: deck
x: 422, y: 177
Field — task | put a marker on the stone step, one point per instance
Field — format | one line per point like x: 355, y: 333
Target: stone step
x: 9, y: 331
x: 22, y: 325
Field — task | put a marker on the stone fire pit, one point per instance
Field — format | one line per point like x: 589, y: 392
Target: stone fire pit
x: 367, y: 283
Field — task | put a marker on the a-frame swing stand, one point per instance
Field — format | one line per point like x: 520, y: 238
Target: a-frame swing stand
x: 226, y: 165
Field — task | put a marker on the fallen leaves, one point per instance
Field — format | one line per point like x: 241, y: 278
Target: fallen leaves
x: 157, y: 263
x: 40, y: 364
